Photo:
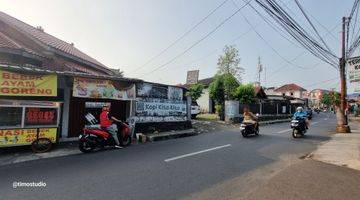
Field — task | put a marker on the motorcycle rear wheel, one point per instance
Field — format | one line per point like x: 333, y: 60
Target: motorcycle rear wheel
x: 244, y: 134
x: 85, y: 147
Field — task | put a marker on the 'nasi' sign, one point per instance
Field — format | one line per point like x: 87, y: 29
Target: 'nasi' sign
x: 16, y: 84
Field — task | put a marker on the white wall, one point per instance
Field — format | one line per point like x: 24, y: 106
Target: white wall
x: 65, y: 107
x: 204, y: 101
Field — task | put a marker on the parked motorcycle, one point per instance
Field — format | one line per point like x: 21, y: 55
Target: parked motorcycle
x: 298, y: 126
x: 93, y: 136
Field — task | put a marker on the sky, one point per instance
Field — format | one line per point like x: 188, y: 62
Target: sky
x: 126, y: 34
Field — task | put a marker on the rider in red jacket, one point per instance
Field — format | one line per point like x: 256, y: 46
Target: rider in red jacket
x: 107, y: 122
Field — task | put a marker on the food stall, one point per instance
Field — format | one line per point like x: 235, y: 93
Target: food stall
x: 26, y: 109
x: 20, y: 121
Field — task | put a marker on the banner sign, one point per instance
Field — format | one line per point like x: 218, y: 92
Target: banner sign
x: 17, y: 137
x: 101, y: 89
x: 147, y: 90
x: 353, y: 65
x: 40, y: 116
x: 354, y: 87
x: 175, y: 93
x: 16, y: 84
x: 160, y: 107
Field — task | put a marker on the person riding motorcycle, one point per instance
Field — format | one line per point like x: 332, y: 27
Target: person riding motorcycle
x: 107, y: 123
x: 301, y: 114
x: 249, y: 117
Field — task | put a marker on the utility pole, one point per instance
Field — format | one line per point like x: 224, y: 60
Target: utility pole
x: 342, y: 126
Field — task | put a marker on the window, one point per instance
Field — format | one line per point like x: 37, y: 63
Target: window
x: 38, y: 116
x: 291, y: 94
x: 10, y: 116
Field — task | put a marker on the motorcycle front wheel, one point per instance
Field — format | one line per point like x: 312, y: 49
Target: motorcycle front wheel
x: 125, y: 141
x: 244, y: 134
x: 296, y: 133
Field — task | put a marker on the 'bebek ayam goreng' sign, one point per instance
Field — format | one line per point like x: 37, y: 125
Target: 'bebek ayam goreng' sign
x: 16, y: 84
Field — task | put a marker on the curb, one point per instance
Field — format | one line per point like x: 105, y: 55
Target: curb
x: 274, y: 122
x: 171, y: 135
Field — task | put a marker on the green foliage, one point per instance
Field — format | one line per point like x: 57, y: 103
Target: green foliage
x: 216, y: 90
x: 223, y: 88
x: 195, y: 91
x: 245, y: 94
x: 357, y: 112
x: 330, y: 99
x: 230, y: 85
x: 218, y: 108
x: 229, y: 63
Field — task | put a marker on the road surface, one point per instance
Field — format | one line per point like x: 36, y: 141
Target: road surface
x: 184, y: 168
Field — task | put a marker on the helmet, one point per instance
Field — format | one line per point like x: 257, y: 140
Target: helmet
x: 299, y: 109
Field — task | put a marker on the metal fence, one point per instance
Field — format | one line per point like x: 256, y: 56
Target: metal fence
x: 271, y: 108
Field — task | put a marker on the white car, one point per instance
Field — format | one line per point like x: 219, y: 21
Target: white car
x: 195, y: 110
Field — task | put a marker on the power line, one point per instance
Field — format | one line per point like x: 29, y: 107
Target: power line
x: 297, y: 32
x: 197, y: 42
x: 181, y: 37
x: 322, y: 82
x: 215, y: 50
x: 302, y: 53
x: 265, y: 41
x: 271, y: 25
x: 312, y: 25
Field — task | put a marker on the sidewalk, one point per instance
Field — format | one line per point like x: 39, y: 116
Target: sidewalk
x: 342, y: 149
x: 310, y: 179
x: 330, y: 172
x: 23, y: 153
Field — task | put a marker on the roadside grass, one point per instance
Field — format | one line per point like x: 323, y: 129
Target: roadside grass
x: 207, y: 117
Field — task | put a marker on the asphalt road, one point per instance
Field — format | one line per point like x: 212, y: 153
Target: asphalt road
x: 171, y: 169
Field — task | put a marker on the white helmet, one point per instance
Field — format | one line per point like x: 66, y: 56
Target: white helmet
x: 299, y: 109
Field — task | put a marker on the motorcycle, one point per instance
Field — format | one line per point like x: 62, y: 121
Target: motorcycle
x: 248, y: 129
x: 93, y: 136
x: 298, y: 126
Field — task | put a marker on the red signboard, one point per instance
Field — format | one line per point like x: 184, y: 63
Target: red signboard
x: 40, y: 116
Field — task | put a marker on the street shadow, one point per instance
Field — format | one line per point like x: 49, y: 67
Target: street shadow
x: 320, y: 138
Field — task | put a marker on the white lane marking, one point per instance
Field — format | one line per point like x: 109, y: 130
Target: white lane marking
x: 283, y: 131
x: 325, y: 119
x: 314, y: 123
x: 195, y: 153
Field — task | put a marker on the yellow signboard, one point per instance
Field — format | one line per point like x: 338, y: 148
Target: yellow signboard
x: 17, y: 137
x: 16, y: 84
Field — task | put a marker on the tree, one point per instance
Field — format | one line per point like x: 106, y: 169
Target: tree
x: 330, y: 99
x: 245, y: 94
x: 230, y: 85
x: 229, y: 63
x: 217, y: 93
x: 325, y: 99
x: 216, y: 90
x: 195, y: 91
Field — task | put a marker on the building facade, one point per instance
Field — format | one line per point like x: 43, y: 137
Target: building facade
x: 48, y: 86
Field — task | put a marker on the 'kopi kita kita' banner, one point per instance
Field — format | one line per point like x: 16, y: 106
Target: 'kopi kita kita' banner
x: 18, y: 84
